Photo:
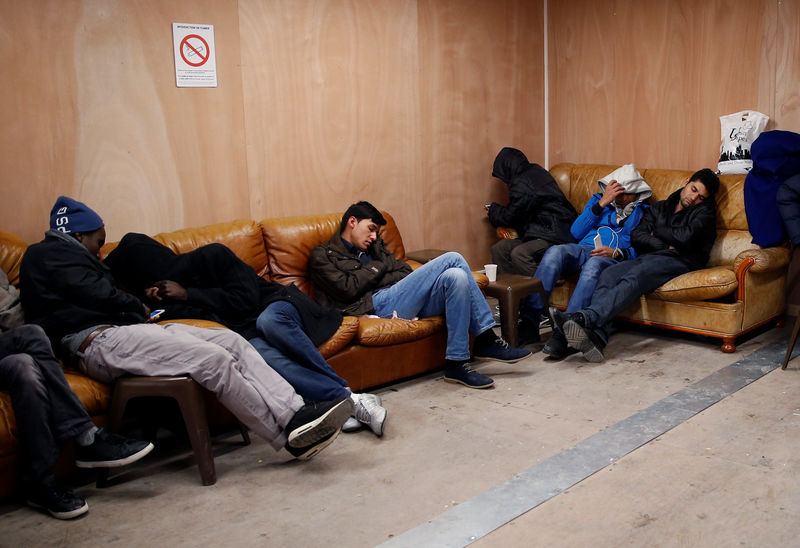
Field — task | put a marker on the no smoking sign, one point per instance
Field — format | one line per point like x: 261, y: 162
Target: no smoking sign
x: 195, y: 60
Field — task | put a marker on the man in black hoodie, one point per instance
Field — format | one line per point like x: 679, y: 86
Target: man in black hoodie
x: 106, y: 333
x: 674, y: 236
x: 537, y: 210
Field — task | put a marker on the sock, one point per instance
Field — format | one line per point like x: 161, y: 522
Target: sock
x: 486, y: 338
x: 86, y: 437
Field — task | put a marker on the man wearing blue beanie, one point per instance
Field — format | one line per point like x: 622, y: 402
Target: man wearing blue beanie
x: 106, y: 333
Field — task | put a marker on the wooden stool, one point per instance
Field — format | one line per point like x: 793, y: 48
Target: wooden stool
x: 189, y: 396
x: 509, y: 289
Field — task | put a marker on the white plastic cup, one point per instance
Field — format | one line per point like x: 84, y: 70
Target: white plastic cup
x: 491, y: 272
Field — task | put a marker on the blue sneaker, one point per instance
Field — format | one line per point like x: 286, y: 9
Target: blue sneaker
x: 467, y: 376
x: 500, y: 351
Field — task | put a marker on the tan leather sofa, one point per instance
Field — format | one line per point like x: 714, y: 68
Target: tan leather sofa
x: 742, y: 287
x: 367, y: 352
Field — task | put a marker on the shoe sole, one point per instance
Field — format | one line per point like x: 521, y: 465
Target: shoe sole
x: 60, y: 515
x: 457, y: 381
x: 578, y: 339
x: 313, y: 431
x: 115, y: 463
x: 488, y: 359
x: 315, y: 449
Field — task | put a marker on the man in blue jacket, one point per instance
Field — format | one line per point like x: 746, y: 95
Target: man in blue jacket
x: 674, y: 236
x: 603, y: 231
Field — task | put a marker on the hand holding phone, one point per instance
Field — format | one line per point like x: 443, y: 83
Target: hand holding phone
x: 155, y: 314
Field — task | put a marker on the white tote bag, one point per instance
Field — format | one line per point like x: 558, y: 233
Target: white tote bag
x: 739, y: 130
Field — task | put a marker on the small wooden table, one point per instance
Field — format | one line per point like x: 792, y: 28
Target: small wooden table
x: 509, y: 289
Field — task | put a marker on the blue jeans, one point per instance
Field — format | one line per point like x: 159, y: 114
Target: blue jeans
x: 287, y: 349
x: 47, y: 410
x: 446, y: 286
x: 622, y: 284
x: 566, y: 259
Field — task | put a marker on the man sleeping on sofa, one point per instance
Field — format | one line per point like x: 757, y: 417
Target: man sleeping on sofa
x: 282, y: 323
x: 105, y: 331
x: 674, y: 237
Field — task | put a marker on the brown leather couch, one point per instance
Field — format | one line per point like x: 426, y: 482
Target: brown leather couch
x: 742, y: 287
x: 365, y: 351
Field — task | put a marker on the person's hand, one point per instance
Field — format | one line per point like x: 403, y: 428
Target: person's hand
x: 602, y: 251
x: 167, y: 289
x: 152, y: 294
x: 613, y: 189
x: 146, y: 312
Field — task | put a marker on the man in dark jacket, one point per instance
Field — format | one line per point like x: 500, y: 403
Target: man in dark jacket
x: 48, y: 413
x: 356, y: 274
x: 674, y: 236
x: 537, y: 210
x: 66, y: 290
x: 283, y: 324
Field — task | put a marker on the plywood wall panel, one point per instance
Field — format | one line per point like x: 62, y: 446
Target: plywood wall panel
x: 98, y: 117
x: 331, y: 95
x: 666, y: 72
x: 481, y: 75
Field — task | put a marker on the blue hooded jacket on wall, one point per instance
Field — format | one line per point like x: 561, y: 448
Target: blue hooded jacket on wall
x: 776, y: 157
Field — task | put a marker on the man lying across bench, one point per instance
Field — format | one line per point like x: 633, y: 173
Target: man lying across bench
x: 72, y: 295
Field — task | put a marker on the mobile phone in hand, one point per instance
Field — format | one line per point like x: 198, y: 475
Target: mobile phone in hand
x: 155, y: 314
x: 598, y: 241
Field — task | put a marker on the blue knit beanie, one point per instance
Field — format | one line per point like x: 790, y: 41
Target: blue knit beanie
x: 70, y: 216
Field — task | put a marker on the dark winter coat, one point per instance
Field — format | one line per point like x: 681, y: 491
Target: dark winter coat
x: 65, y: 289
x: 691, y: 231
x: 343, y: 282
x: 537, y: 209
x: 219, y: 285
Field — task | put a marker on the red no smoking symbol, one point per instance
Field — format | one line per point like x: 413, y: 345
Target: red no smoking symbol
x: 197, y: 49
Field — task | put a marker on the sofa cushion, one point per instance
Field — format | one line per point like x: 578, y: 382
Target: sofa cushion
x: 698, y: 285
x: 12, y: 248
x: 385, y: 332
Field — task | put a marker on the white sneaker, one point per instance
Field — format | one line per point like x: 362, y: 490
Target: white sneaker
x: 368, y: 411
x: 351, y: 425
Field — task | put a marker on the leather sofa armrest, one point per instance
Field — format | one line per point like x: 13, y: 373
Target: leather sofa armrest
x: 506, y: 233
x: 761, y: 260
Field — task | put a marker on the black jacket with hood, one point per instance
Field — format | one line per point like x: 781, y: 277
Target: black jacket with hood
x: 65, y: 289
x: 537, y: 209
x: 219, y: 285
x: 691, y: 231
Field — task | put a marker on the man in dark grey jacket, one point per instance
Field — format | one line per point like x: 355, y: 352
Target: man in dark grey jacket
x: 537, y: 210
x: 674, y: 236
x: 355, y: 273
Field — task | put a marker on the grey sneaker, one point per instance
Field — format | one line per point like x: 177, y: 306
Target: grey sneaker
x: 368, y: 411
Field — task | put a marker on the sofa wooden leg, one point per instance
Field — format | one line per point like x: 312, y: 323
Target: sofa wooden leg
x: 728, y: 345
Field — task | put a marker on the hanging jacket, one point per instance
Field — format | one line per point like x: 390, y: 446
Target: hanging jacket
x: 537, y: 209
x: 776, y: 157
x: 789, y: 206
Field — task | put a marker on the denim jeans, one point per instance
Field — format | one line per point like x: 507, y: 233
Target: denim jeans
x: 622, y: 284
x: 47, y: 410
x: 287, y: 349
x: 446, y: 286
x: 566, y: 259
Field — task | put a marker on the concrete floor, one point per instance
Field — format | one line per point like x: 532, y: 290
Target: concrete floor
x: 725, y: 476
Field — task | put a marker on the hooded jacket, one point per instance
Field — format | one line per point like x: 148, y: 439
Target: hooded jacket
x: 65, y: 289
x: 537, y: 209
x: 219, y: 285
x: 613, y: 223
x: 691, y: 231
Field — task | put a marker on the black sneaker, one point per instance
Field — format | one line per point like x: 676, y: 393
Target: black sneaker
x: 110, y: 450
x: 527, y: 332
x: 556, y: 346
x: 316, y: 421
x: 464, y: 374
x: 583, y: 339
x: 59, y: 503
x: 305, y: 453
x: 558, y: 318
